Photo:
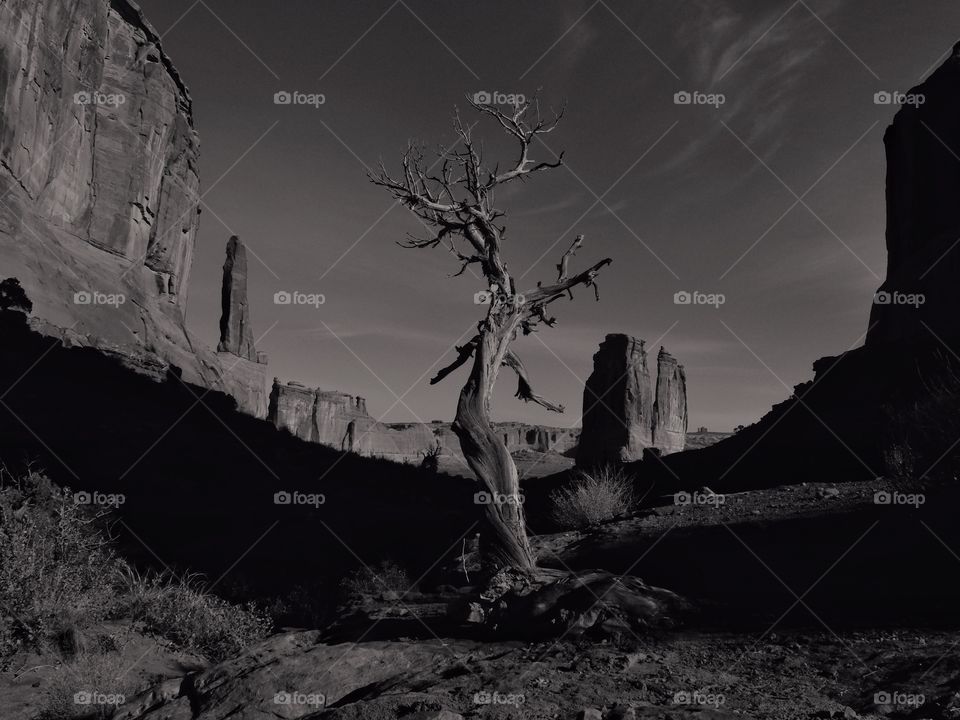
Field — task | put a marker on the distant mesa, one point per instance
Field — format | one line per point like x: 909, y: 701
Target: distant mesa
x: 341, y: 421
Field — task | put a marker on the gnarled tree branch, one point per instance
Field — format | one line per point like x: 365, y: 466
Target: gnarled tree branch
x: 524, y: 389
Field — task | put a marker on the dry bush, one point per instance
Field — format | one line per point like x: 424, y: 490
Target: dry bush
x: 593, y: 497
x: 60, y: 575
x: 182, y: 611
x: 90, y: 686
x: 56, y: 566
x: 387, y: 577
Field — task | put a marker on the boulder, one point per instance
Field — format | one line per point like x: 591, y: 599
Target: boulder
x: 288, y: 675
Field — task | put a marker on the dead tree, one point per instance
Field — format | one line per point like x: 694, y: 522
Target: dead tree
x: 453, y: 196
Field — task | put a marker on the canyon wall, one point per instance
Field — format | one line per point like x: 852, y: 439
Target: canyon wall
x: 100, y: 187
x: 341, y: 421
x: 923, y: 225
x: 621, y: 414
x: 885, y: 409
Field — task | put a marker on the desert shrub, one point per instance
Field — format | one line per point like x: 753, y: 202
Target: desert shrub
x: 60, y: 574
x: 56, y: 565
x: 182, y: 611
x: 592, y: 497
x: 308, y: 605
x: 13, y: 296
x: 383, y: 578
x: 90, y: 686
x: 921, y: 442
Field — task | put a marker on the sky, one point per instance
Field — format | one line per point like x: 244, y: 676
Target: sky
x: 764, y: 192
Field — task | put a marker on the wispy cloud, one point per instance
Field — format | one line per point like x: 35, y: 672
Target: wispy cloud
x: 756, y: 61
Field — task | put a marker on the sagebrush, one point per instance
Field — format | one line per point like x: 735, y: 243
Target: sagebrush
x: 60, y: 574
x: 593, y: 497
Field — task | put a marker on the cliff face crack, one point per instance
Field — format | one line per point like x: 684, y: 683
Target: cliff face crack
x: 15, y: 178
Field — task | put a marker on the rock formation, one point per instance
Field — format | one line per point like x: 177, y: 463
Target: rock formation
x: 342, y: 421
x: 98, y: 171
x: 617, y: 403
x: 246, y: 367
x: 236, y: 331
x: 923, y: 225
x: 884, y: 409
x: 670, y: 405
x: 517, y: 437
x: 621, y: 417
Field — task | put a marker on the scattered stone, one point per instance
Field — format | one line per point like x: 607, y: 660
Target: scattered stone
x: 434, y: 715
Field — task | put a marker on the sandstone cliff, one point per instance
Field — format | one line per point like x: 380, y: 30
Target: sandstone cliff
x: 236, y: 329
x: 923, y: 225
x: 621, y: 416
x: 617, y: 403
x: 887, y: 408
x: 341, y: 421
x: 670, y: 405
x: 99, y: 180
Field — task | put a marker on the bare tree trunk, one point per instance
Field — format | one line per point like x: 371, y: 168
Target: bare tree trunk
x: 503, y: 538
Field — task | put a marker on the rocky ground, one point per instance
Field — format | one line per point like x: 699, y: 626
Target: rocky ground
x: 762, y: 671
x: 687, y: 675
